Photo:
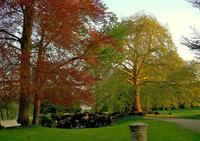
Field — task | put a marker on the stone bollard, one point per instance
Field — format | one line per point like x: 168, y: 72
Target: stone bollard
x: 138, y: 132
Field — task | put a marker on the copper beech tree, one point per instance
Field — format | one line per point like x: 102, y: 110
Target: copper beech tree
x: 43, y: 26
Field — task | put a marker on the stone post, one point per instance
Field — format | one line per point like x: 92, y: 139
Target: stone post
x: 138, y: 132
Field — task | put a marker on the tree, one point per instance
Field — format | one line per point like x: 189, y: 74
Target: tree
x: 179, y: 90
x: 64, y: 48
x: 193, y: 42
x: 11, y: 23
x: 111, y: 94
x: 147, y: 45
x: 19, y: 21
x: 187, y: 79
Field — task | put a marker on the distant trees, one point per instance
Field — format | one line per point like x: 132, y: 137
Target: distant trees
x: 179, y: 91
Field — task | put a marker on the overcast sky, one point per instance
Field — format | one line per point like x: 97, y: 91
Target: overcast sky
x: 177, y: 15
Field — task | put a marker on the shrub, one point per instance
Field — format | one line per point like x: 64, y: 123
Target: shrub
x: 47, y: 121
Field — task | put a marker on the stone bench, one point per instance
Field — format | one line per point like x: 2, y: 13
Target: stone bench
x: 9, y: 123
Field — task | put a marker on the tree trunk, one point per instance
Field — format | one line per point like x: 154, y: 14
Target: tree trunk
x: 38, y: 83
x: 137, y: 104
x: 25, y: 94
x: 36, y: 112
x: 7, y: 113
x: 1, y: 111
x: 26, y: 45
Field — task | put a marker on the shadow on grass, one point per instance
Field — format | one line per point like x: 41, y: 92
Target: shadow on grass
x: 192, y: 117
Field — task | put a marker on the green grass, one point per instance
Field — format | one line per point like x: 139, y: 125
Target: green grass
x: 157, y: 131
x: 193, y: 113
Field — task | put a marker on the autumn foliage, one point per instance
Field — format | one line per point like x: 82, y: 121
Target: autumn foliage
x: 52, y: 39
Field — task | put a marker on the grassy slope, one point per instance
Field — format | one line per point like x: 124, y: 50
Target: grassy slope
x: 182, y: 113
x: 157, y: 131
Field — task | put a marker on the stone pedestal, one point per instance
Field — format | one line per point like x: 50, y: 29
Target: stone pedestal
x: 138, y: 132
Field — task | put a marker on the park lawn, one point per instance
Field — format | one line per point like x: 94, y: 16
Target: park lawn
x: 193, y: 113
x: 157, y: 131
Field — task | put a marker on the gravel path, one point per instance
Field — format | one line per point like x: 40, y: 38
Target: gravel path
x: 192, y: 124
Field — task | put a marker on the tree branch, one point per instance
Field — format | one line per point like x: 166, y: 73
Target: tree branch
x: 6, y: 32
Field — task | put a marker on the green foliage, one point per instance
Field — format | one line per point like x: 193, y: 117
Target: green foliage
x: 47, y: 108
x: 144, y: 56
x: 8, y: 111
x: 112, y: 94
x: 180, y: 89
x: 47, y: 121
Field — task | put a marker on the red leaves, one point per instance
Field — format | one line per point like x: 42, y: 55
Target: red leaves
x: 57, y: 25
x: 68, y: 87
x: 93, y: 8
x: 94, y: 43
x: 62, y: 19
x: 9, y: 74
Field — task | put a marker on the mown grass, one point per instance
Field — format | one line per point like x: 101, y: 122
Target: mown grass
x: 193, y: 113
x: 157, y: 131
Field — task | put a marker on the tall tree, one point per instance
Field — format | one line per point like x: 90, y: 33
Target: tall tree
x: 13, y: 24
x: 146, y: 44
x: 19, y: 23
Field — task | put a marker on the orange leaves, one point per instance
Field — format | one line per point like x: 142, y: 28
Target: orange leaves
x: 94, y: 45
x: 92, y: 60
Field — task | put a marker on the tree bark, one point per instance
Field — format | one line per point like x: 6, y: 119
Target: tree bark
x: 7, y: 113
x: 137, y: 104
x: 25, y: 94
x: 38, y: 84
x: 1, y: 111
x: 26, y: 45
x: 36, y: 112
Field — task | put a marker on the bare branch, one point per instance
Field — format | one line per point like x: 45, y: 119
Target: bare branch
x: 6, y: 32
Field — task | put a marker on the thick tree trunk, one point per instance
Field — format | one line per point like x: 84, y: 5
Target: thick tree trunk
x: 137, y: 104
x: 25, y: 94
x: 26, y: 44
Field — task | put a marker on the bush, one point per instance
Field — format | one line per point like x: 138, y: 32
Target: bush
x: 79, y: 120
x: 156, y: 113
x: 47, y: 121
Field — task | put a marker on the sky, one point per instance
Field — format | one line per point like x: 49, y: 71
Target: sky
x: 179, y: 16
